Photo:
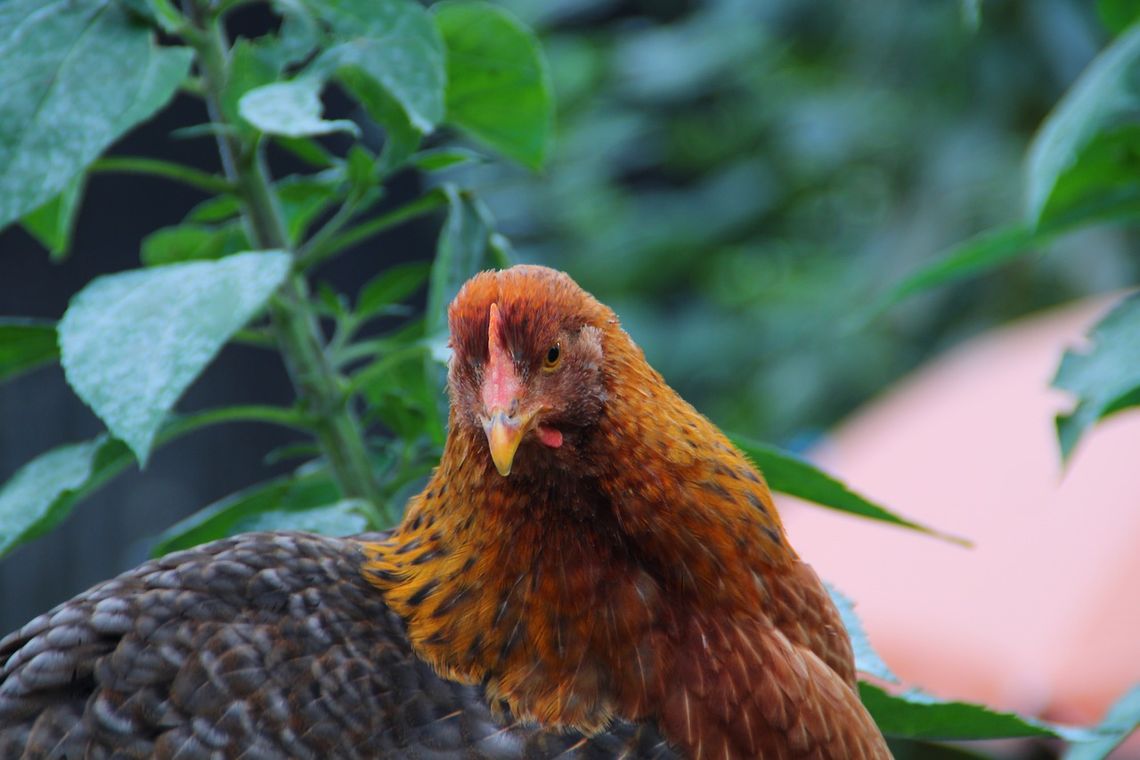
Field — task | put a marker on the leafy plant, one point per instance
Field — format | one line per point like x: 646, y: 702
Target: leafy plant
x: 447, y: 86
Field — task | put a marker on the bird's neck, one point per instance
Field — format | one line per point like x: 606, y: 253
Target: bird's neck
x: 568, y: 594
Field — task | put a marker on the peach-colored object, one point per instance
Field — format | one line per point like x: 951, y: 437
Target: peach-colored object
x: 1043, y: 615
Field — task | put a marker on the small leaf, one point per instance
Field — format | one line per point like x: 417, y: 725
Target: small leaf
x: 25, y: 344
x: 915, y: 715
x: 290, y: 109
x: 220, y: 208
x: 43, y: 491
x: 438, y: 159
x: 789, y: 474
x: 192, y: 242
x: 225, y: 517
x: 63, y: 99
x: 1105, y: 378
x: 498, y: 86
x: 393, y: 43
x: 53, y: 223
x: 132, y: 342
x: 1103, y: 98
x: 1118, y: 15
x: 343, y: 518
x: 391, y: 286
x: 461, y: 252
x: 1122, y: 719
x: 250, y: 66
x: 303, y: 197
x: 867, y: 660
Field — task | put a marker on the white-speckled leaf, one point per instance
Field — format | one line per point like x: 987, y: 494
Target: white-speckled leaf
x: 26, y: 500
x: 132, y: 342
x: 867, y: 660
x: 290, y: 109
x: 64, y: 98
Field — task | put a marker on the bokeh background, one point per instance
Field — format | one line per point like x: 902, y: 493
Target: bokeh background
x: 739, y: 179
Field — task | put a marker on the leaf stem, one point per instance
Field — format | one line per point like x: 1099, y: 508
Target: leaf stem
x: 319, y: 387
x: 187, y: 175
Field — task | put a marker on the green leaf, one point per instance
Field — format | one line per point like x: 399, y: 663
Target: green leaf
x: 1104, y: 98
x: 391, y: 286
x: 993, y: 248
x: 1118, y: 15
x: 250, y: 66
x: 42, y: 492
x: 53, y: 223
x: 438, y: 159
x: 25, y: 344
x: 498, y: 86
x: 1106, y: 377
x: 789, y: 474
x: 290, y: 109
x: 64, y: 99
x: 192, y: 242
x: 343, y: 518
x: 132, y: 342
x: 303, y: 197
x: 867, y: 660
x: 915, y: 715
x: 1122, y: 719
x: 394, y: 44
x: 462, y: 251
x: 228, y: 516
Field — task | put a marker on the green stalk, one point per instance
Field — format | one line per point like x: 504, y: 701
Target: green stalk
x: 319, y: 387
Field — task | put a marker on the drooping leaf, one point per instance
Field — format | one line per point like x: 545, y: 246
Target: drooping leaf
x: 53, y: 222
x: 915, y: 715
x: 1105, y: 378
x: 225, y: 517
x: 391, y: 286
x: 64, y: 99
x: 342, y: 518
x: 1122, y: 719
x: 192, y: 242
x: 867, y: 660
x: 1105, y: 97
x: 290, y: 109
x: 25, y: 344
x: 41, y: 493
x: 462, y: 251
x: 788, y: 473
x: 498, y: 86
x: 393, y: 44
x: 132, y: 342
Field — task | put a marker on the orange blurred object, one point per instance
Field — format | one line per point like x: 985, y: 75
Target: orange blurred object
x: 1042, y: 616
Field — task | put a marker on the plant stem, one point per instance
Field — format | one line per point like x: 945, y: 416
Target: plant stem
x: 187, y: 175
x: 319, y: 387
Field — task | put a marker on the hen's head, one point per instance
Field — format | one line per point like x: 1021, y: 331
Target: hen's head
x: 527, y: 369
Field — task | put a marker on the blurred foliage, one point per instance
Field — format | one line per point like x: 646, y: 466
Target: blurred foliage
x: 744, y: 178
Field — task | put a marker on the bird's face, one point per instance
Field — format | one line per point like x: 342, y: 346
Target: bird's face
x: 527, y: 367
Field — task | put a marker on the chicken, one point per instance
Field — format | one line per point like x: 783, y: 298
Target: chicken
x: 593, y: 570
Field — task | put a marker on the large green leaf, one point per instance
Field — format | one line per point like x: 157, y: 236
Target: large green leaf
x: 341, y: 518
x: 53, y: 222
x: 1118, y: 15
x: 1106, y: 377
x: 916, y: 715
x: 498, y: 87
x: 42, y: 492
x: 64, y: 98
x: 239, y: 511
x: 290, y: 109
x: 132, y: 342
x: 1122, y: 719
x: 1105, y: 98
x: 395, y: 45
x: 24, y: 345
x: 788, y: 473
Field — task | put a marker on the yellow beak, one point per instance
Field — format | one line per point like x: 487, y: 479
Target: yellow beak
x: 504, y: 434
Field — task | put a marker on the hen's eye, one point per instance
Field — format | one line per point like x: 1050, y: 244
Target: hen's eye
x: 553, y: 354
